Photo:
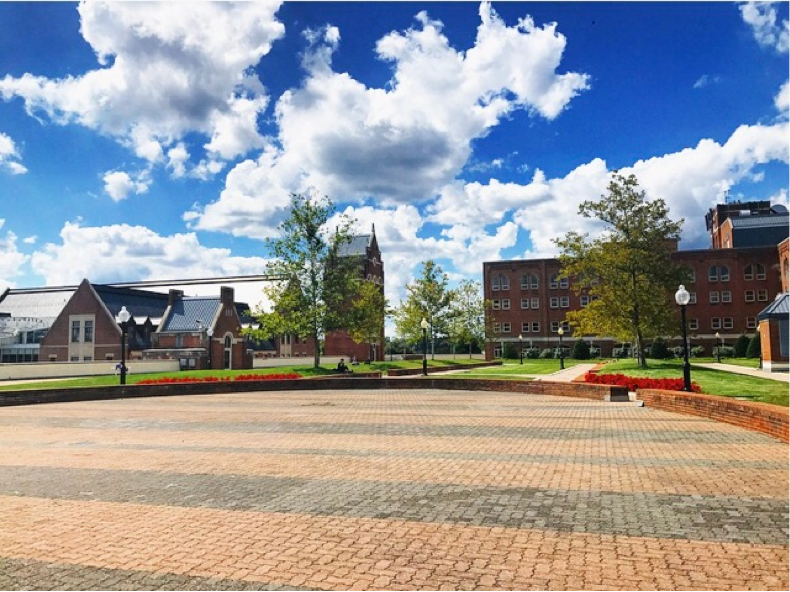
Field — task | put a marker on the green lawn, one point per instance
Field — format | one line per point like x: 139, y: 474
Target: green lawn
x: 512, y: 369
x: 306, y: 370
x: 713, y: 382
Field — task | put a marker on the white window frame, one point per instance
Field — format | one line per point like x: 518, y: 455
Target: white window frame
x: 713, y: 296
x: 554, y: 302
x: 715, y: 322
x: 506, y: 327
x: 724, y: 273
x: 525, y: 304
x: 750, y: 296
x: 726, y: 296
x: 762, y: 295
x: 555, y: 325
x: 506, y: 304
x: 565, y: 302
x: 694, y: 324
x: 760, y: 275
x: 496, y: 304
x: 525, y: 327
x: 751, y: 322
x: 536, y: 326
x: 727, y: 323
x: 535, y: 303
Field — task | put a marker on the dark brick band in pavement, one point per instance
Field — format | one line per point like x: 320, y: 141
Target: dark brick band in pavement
x: 386, y: 490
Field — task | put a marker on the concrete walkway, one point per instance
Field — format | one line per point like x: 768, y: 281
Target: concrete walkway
x: 780, y: 376
x: 567, y: 375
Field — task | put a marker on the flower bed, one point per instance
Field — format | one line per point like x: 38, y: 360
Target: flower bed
x: 633, y: 383
x: 176, y: 379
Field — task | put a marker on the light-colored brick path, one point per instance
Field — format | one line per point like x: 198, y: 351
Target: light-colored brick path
x: 386, y: 490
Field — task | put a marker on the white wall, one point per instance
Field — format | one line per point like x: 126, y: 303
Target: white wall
x: 67, y: 369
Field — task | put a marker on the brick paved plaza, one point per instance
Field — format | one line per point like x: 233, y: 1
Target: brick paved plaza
x: 386, y: 490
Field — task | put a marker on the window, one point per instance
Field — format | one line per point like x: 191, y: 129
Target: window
x: 727, y: 323
x: 760, y: 271
x: 536, y: 303
x: 762, y: 295
x: 504, y: 282
x: 692, y: 275
x: 564, y: 283
x: 536, y: 327
x: 505, y: 327
x: 553, y: 282
x: 726, y: 296
x: 497, y: 328
x: 529, y: 281
x: 692, y: 297
x: 75, y: 333
x: 554, y: 302
x: 713, y: 297
x: 87, y: 358
x: 525, y: 303
x: 525, y: 327
x: 496, y: 304
x: 565, y: 326
x: 565, y: 302
x: 555, y: 325
x: 749, y: 295
x: 724, y: 273
x: 53, y: 357
x: 751, y: 322
x: 506, y: 304
x: 88, y: 331
x: 584, y: 301
x: 75, y: 358
x: 693, y: 324
x: 713, y: 274
x: 495, y: 284
x: 748, y: 272
x: 109, y: 356
x: 715, y: 323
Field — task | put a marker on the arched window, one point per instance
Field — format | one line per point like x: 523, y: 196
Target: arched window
x: 500, y: 282
x: 529, y: 281
x: 724, y: 273
x: 554, y: 282
x: 713, y: 274
x: 760, y: 270
x: 748, y: 272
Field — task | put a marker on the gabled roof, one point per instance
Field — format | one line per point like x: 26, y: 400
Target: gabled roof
x: 141, y: 304
x: 186, y: 312
x: 357, y: 246
x: 778, y: 309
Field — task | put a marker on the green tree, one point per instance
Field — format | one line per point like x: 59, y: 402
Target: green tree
x: 581, y: 350
x: 428, y: 298
x: 466, y: 325
x: 753, y: 351
x: 316, y: 280
x: 629, y: 271
x: 368, y: 309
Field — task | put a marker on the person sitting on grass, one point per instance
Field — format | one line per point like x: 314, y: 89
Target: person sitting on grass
x: 341, y: 366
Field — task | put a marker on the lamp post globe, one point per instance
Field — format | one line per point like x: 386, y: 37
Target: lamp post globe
x: 561, y: 332
x: 682, y: 298
x: 520, y: 349
x: 424, y: 327
x: 123, y: 317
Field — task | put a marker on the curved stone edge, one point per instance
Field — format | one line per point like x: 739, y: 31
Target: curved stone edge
x: 765, y: 418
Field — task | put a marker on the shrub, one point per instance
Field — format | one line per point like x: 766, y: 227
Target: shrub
x: 753, y: 351
x: 547, y: 353
x: 532, y: 353
x: 239, y: 377
x: 510, y: 351
x: 725, y: 351
x: 659, y: 350
x: 581, y: 350
x: 740, y: 347
x: 697, y: 351
x: 621, y: 352
x: 677, y: 351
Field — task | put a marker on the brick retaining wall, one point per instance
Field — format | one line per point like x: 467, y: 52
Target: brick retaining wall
x: 760, y: 417
x: 347, y: 382
x: 435, y: 369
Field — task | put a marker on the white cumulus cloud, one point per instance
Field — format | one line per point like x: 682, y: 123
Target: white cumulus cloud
x: 402, y: 143
x: 768, y: 30
x: 11, y: 259
x: 167, y: 69
x: 119, y: 184
x: 9, y: 156
x: 121, y: 252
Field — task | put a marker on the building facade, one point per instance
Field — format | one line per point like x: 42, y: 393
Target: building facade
x: 729, y: 287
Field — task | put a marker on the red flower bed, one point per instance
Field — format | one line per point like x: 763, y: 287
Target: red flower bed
x: 633, y: 383
x: 177, y: 379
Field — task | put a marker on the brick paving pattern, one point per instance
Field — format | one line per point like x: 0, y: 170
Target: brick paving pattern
x: 402, y: 490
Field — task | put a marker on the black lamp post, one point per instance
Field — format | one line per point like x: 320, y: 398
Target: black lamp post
x: 209, y: 335
x: 560, y: 332
x: 520, y: 349
x: 424, y: 327
x: 123, y: 317
x: 718, y: 347
x: 682, y: 297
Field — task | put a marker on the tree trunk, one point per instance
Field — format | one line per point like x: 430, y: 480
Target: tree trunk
x: 316, y: 352
x: 637, y: 328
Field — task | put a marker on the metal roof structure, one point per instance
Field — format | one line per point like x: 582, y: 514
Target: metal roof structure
x: 191, y: 314
x: 778, y: 309
x: 36, y: 303
x: 141, y: 304
x: 357, y: 246
x: 760, y: 221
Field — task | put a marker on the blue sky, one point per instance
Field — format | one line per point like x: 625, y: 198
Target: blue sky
x: 160, y: 141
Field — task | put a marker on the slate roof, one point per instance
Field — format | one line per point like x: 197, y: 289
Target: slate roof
x: 140, y: 303
x: 186, y: 312
x: 358, y: 246
x: 778, y: 309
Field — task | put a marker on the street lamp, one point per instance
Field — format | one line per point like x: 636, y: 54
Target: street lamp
x: 123, y: 317
x: 424, y: 326
x: 209, y: 334
x: 682, y: 297
x: 520, y: 349
x: 560, y: 332
x: 718, y: 347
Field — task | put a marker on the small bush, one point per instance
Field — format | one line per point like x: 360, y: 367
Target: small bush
x: 621, y: 352
x: 725, y: 351
x: 547, y: 353
x: 511, y: 351
x: 740, y: 347
x: 677, y: 351
x: 532, y: 353
x: 753, y: 351
x: 659, y: 350
x: 581, y: 350
x: 697, y: 351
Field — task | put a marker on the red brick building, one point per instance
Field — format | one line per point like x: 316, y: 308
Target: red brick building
x: 729, y: 288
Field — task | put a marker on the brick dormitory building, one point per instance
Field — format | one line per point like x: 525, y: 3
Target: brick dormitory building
x: 733, y: 285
